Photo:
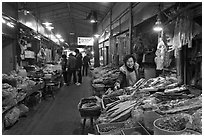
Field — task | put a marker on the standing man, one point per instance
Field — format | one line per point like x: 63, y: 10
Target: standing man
x: 64, y: 65
x: 71, y: 69
x: 86, y: 63
x: 78, y: 66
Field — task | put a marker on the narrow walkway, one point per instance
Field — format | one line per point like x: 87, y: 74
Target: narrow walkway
x: 55, y: 117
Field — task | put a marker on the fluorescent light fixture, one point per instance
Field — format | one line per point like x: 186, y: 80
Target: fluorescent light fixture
x: 58, y: 36
x: 29, y: 24
x: 3, y: 21
x: 10, y: 25
x: 62, y: 40
x: 50, y: 28
x: 71, y: 33
x: 47, y: 23
x: 96, y: 35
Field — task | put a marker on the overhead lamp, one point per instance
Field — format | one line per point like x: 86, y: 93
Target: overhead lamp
x: 92, y: 17
x: 71, y: 33
x: 92, y: 21
x: 47, y: 23
x: 10, y: 25
x: 50, y: 28
x: 3, y: 21
x: 62, y: 40
x: 158, y: 25
x: 29, y: 24
x: 58, y: 36
x: 96, y: 35
x: 26, y: 12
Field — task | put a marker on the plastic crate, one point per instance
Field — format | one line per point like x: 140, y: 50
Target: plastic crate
x: 89, y: 112
x: 107, y: 100
x: 114, y: 126
x: 135, y: 131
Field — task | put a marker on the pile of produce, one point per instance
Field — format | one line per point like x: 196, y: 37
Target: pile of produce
x: 105, y: 75
x: 160, y: 83
x: 196, y: 124
x: 173, y: 123
x: 9, y: 94
x: 180, y: 105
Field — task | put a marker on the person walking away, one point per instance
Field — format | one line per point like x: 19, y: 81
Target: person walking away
x: 64, y: 65
x: 129, y: 73
x: 71, y: 69
x: 78, y: 66
x: 86, y: 63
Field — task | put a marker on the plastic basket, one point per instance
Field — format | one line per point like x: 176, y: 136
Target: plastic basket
x: 135, y: 131
x: 114, y: 126
x: 89, y: 112
x: 159, y: 131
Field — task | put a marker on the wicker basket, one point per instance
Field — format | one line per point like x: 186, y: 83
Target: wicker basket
x: 89, y: 112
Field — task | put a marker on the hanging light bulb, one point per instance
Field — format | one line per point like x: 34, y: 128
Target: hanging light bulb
x: 158, y: 25
x: 93, y: 17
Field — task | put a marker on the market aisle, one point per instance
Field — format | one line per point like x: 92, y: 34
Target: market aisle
x: 55, y: 117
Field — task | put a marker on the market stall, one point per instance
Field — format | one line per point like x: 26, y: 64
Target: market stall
x: 23, y: 89
x: 136, y: 109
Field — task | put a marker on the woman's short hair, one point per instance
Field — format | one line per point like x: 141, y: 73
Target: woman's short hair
x: 127, y: 57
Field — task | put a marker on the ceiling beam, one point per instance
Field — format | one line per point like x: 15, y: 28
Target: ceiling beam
x: 48, y: 5
x: 52, y: 10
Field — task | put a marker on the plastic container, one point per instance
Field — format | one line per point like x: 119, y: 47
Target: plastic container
x: 159, y: 131
x: 190, y: 132
x: 115, y: 127
x: 135, y: 131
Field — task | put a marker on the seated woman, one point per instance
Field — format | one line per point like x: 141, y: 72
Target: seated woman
x: 129, y: 73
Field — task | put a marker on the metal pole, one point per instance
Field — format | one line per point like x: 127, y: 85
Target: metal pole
x: 130, y: 27
x: 96, y: 45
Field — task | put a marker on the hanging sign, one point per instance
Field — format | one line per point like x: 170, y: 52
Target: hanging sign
x: 85, y: 41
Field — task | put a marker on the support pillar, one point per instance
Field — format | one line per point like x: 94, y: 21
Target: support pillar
x: 95, y: 45
x: 130, y: 27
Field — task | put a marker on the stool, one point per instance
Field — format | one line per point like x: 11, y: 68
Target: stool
x: 49, y: 89
x: 84, y: 123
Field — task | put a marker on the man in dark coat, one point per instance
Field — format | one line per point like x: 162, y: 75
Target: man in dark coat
x: 86, y: 63
x: 71, y: 68
x: 78, y: 66
x: 64, y: 66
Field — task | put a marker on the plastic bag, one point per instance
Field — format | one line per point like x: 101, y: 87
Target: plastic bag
x: 23, y: 109
x: 12, y: 116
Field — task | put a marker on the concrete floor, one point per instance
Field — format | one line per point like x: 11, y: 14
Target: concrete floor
x: 55, y: 117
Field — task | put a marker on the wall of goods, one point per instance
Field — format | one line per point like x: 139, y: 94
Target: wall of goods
x: 169, y: 103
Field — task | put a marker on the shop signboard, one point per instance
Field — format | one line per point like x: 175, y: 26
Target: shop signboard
x: 85, y: 41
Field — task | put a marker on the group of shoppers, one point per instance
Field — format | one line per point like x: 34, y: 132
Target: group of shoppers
x: 129, y: 71
x: 72, y: 67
